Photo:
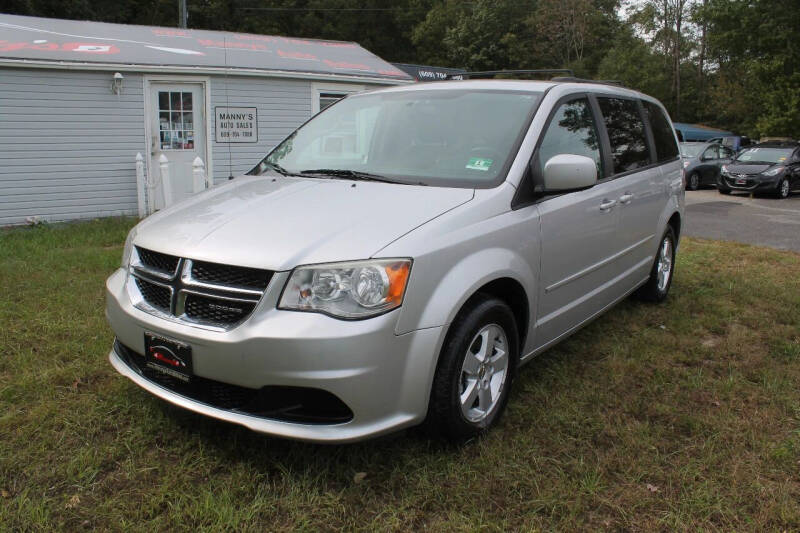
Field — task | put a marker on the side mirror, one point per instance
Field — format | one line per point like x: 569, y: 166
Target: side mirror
x: 567, y: 172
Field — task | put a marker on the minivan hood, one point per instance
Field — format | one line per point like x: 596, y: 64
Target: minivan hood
x: 283, y: 222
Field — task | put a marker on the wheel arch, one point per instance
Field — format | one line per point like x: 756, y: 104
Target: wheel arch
x: 675, y: 222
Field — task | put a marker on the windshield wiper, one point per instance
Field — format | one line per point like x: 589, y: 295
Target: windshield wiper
x: 277, y: 168
x: 349, y: 174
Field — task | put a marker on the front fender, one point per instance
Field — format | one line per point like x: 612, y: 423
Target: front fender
x: 435, y: 300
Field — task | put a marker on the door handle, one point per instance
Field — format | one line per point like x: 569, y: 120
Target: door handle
x: 607, y: 205
x: 626, y: 198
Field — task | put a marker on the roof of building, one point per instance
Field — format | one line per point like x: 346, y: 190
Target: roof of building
x: 699, y: 132
x: 34, y: 40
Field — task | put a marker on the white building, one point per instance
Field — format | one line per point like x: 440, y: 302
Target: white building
x: 80, y: 100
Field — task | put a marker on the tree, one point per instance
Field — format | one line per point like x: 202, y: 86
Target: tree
x: 572, y: 33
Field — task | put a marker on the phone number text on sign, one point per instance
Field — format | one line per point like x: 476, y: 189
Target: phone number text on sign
x: 236, y: 124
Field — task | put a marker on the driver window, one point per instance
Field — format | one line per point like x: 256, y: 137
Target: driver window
x: 710, y: 153
x: 571, y: 131
x: 345, y: 142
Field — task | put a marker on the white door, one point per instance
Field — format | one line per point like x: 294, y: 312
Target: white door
x: 177, y: 130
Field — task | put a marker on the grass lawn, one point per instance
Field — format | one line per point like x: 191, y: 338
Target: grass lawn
x: 681, y: 416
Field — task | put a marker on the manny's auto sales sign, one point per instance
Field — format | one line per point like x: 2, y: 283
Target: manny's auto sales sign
x: 236, y: 124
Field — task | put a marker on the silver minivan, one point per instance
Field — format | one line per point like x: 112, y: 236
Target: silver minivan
x: 396, y: 259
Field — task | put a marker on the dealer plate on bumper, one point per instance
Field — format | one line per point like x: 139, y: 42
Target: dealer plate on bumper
x: 741, y: 181
x: 170, y: 357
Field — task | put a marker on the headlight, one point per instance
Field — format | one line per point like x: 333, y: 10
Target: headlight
x: 357, y: 289
x: 128, y: 248
x: 773, y: 171
x: 685, y: 164
x: 724, y: 169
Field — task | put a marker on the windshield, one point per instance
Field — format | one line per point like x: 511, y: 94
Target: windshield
x: 454, y: 138
x: 764, y: 155
x: 691, y: 150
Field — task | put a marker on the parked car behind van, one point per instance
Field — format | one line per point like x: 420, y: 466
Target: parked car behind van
x: 766, y: 168
x: 702, y: 163
x: 397, y: 258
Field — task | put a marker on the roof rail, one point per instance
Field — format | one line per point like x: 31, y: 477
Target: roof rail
x: 460, y: 76
x: 584, y: 80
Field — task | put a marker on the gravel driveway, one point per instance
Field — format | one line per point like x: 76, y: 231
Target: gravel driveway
x: 738, y: 217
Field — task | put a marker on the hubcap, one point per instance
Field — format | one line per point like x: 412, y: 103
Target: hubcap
x: 785, y: 188
x: 664, y: 264
x: 483, y: 373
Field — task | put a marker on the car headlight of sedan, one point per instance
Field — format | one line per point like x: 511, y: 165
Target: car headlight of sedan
x: 685, y: 163
x: 773, y: 171
x: 351, y: 290
x: 128, y: 248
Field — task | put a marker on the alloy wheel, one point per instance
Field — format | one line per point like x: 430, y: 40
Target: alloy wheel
x: 784, y: 188
x: 484, y: 373
x: 664, y: 268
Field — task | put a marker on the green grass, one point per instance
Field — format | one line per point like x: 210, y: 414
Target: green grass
x: 682, y: 416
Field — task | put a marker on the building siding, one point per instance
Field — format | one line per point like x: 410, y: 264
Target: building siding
x: 68, y: 145
x: 282, y: 105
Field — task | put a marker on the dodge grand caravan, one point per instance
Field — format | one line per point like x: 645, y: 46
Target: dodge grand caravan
x: 397, y: 258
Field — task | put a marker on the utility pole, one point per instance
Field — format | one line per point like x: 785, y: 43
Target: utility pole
x: 183, y: 14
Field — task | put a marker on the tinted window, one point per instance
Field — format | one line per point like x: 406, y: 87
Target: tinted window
x: 666, y: 148
x: 711, y: 153
x: 725, y: 152
x: 626, y: 133
x: 571, y: 131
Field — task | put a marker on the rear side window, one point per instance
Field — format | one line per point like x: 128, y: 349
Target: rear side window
x: 571, y: 131
x: 626, y: 133
x: 666, y: 149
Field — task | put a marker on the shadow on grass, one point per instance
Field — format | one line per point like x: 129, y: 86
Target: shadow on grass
x: 402, y: 450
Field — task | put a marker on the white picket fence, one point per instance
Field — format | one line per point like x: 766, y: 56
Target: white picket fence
x: 148, y: 183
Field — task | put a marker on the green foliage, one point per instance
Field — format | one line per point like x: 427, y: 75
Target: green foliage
x: 756, y: 47
x: 726, y: 63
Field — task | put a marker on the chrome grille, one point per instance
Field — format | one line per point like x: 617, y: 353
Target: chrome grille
x: 196, y: 292
x: 163, y: 263
x: 158, y: 296
x: 212, y: 310
x: 250, y: 278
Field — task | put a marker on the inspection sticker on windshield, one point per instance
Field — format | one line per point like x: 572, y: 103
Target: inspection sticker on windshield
x: 479, y: 163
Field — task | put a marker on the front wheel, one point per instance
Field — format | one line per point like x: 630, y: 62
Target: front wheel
x: 475, y: 371
x: 657, y: 286
x: 783, y: 189
x: 693, y: 183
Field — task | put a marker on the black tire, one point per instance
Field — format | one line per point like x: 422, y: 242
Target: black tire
x: 693, y: 181
x: 784, y: 189
x: 446, y: 418
x: 724, y: 191
x: 653, y: 291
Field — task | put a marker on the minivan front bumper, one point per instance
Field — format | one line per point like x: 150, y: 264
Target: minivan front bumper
x: 383, y: 378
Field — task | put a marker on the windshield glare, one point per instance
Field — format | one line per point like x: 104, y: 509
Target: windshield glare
x: 764, y: 155
x: 691, y: 150
x: 454, y: 138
